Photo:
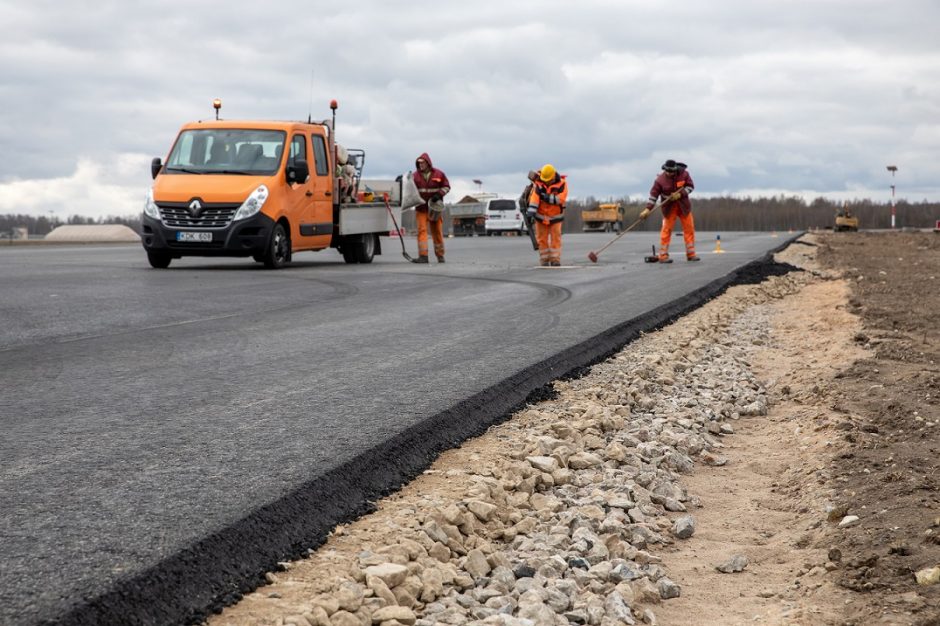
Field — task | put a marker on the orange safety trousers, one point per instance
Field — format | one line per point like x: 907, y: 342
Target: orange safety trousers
x: 437, y: 234
x: 548, y: 237
x: 688, y: 233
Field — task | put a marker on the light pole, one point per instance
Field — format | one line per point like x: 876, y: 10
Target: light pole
x: 892, y: 169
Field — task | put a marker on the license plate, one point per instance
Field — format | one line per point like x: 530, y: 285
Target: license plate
x: 193, y: 236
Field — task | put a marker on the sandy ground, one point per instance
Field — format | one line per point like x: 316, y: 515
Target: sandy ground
x: 767, y: 503
x: 850, y: 368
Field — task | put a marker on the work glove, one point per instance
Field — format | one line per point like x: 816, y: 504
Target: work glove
x: 436, y: 197
x: 542, y: 194
x: 675, y: 195
x: 645, y: 213
x: 530, y: 212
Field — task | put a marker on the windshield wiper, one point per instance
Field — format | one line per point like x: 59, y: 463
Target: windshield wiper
x: 239, y: 172
x: 184, y: 170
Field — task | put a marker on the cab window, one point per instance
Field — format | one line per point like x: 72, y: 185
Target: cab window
x: 298, y: 149
x: 319, y: 155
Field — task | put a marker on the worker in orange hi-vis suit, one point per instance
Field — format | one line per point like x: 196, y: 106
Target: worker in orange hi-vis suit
x: 547, y: 208
x: 673, y: 185
x: 432, y: 186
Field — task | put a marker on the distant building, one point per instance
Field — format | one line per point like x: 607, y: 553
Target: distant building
x: 93, y: 233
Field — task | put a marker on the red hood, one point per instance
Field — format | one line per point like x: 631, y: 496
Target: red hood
x: 424, y: 155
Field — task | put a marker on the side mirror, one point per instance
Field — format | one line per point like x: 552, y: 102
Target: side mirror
x: 299, y: 172
x: 155, y: 166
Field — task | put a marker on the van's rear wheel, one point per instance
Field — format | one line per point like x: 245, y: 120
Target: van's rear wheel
x: 359, y: 248
x: 159, y: 259
x: 278, y: 253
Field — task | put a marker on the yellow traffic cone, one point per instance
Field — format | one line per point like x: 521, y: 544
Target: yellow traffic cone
x: 718, y: 249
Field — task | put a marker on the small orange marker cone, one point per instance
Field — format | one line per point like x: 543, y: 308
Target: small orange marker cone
x: 718, y: 249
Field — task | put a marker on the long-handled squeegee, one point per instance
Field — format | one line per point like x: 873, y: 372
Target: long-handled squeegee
x: 593, y: 255
x: 397, y: 229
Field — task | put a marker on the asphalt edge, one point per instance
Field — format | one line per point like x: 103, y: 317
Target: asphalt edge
x: 219, y: 569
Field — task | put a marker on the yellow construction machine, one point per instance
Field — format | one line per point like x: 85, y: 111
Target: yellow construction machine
x: 607, y: 217
x: 845, y: 220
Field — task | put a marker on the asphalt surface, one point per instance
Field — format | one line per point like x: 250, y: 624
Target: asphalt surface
x: 169, y: 433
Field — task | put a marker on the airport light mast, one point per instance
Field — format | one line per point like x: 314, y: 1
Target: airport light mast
x: 892, y: 169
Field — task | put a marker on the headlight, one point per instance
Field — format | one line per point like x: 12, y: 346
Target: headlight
x: 150, y: 207
x: 253, y: 204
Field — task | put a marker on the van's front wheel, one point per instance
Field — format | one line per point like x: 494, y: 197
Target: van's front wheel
x: 278, y: 253
x: 159, y: 259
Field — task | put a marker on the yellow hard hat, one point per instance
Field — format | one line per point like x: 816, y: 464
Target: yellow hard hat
x: 547, y: 173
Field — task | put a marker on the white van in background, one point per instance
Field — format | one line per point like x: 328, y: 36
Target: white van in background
x: 503, y: 215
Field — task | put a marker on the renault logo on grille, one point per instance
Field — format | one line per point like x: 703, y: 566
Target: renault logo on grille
x: 195, y: 207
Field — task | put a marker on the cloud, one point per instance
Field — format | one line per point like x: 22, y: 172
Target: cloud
x: 93, y: 189
x: 808, y: 96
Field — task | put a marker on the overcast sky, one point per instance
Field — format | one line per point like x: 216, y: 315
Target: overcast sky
x: 757, y: 97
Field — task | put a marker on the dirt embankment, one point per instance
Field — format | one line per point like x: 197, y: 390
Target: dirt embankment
x: 786, y: 432
x: 886, y: 461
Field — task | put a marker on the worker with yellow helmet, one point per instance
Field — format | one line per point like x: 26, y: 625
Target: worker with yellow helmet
x: 547, y: 209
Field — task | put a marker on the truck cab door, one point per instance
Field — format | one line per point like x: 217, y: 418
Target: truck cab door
x: 301, y: 200
x: 321, y: 177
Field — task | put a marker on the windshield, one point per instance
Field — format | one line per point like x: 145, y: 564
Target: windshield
x: 227, y: 151
x: 502, y: 205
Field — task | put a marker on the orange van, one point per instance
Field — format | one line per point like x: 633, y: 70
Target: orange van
x: 261, y: 189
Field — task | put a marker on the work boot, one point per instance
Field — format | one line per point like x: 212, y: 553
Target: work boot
x: 692, y: 258
x: 665, y: 259
x: 440, y: 258
x: 556, y: 263
x: 422, y: 259
x: 545, y: 263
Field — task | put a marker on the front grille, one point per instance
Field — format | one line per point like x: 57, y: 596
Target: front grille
x: 178, y: 215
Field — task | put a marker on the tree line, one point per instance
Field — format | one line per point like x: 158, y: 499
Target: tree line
x: 777, y: 213
x: 42, y: 225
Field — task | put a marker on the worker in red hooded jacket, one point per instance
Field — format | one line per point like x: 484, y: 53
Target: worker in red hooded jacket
x: 432, y: 185
x: 673, y: 186
x: 547, y: 207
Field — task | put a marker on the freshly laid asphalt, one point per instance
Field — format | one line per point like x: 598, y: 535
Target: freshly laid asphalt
x: 167, y: 435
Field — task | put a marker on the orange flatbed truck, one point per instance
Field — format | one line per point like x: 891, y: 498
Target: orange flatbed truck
x: 261, y: 189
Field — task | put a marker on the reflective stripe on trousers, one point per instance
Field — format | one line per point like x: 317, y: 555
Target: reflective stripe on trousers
x: 437, y: 234
x: 688, y: 233
x: 548, y: 237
